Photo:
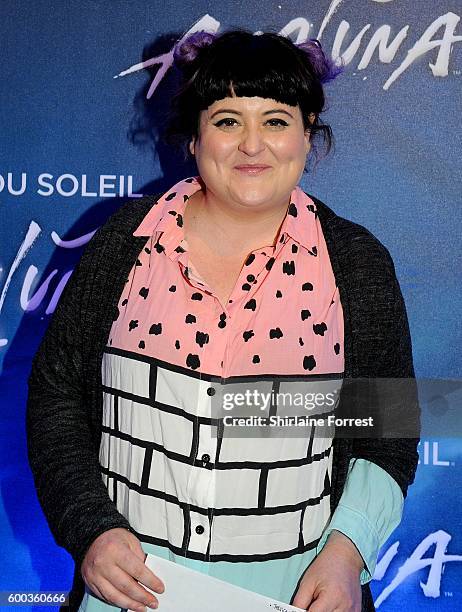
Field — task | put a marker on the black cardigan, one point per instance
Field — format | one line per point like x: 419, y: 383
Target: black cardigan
x: 64, y: 410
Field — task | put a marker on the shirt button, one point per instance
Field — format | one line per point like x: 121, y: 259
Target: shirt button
x: 205, y: 458
x: 250, y: 278
x: 211, y: 391
x: 199, y: 529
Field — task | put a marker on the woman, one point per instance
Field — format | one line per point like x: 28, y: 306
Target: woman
x: 236, y: 275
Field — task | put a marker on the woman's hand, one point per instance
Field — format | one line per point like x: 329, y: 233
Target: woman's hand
x: 113, y: 564
x: 331, y: 582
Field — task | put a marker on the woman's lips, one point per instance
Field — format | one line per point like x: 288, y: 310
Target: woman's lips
x: 252, y: 170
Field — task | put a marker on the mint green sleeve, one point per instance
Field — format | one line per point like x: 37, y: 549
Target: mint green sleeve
x: 368, y: 511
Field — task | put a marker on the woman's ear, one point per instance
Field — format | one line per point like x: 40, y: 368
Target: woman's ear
x: 311, y: 120
x: 192, y: 145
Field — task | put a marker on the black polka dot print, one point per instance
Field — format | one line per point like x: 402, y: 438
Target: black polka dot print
x: 201, y: 338
x: 275, y: 333
x: 320, y: 328
x: 309, y: 362
x: 288, y: 267
x: 249, y: 259
x: 193, y: 361
x: 292, y: 210
x: 156, y: 329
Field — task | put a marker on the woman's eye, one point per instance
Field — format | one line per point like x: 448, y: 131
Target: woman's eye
x: 224, y: 122
x: 278, y: 122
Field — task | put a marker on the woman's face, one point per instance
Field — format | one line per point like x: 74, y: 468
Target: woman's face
x: 236, y: 133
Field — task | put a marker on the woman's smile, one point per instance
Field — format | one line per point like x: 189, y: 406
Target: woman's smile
x: 252, y: 170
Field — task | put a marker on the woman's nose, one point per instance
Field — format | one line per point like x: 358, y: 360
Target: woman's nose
x: 252, y: 141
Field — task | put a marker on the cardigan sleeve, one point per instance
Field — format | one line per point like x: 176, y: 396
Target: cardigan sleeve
x: 395, y: 397
x: 62, y: 451
x: 369, y: 510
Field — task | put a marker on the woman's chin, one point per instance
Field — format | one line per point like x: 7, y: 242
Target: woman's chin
x: 253, y: 203
x: 252, y: 195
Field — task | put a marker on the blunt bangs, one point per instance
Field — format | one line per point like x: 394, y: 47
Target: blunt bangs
x: 254, y: 66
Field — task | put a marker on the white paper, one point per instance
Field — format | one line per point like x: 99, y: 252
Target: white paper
x: 187, y: 589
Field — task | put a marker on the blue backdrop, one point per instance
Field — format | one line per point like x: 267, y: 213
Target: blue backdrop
x: 74, y: 144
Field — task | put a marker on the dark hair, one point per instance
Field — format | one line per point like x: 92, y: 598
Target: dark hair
x: 267, y: 65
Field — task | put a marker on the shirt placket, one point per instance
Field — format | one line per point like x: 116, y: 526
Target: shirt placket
x: 202, y: 485
x: 201, y: 482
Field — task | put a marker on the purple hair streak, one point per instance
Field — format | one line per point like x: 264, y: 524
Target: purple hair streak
x: 188, y: 49
x: 323, y: 67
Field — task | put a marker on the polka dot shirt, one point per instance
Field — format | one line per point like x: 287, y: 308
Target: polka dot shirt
x: 283, y: 316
